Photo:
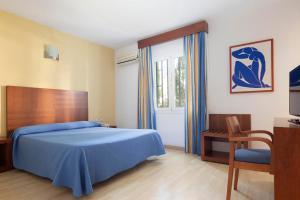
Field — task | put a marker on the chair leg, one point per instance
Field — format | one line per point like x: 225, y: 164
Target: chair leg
x: 236, y: 178
x: 229, y: 183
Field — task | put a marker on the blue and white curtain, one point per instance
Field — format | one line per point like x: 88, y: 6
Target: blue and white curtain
x: 195, y: 111
x: 146, y: 110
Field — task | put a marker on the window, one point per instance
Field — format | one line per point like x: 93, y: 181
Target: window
x: 162, y: 86
x: 169, y: 84
x: 179, y: 82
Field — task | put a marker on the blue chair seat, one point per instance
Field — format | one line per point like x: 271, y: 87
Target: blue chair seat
x: 260, y: 156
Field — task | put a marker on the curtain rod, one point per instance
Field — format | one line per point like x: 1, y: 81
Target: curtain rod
x: 201, y: 26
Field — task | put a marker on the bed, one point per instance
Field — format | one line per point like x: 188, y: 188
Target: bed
x: 69, y: 150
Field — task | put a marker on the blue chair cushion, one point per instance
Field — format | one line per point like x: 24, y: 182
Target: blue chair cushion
x: 260, y: 156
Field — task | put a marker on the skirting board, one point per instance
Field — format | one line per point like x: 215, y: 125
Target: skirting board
x: 174, y: 147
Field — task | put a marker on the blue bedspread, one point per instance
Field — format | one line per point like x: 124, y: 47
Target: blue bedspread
x: 79, y: 154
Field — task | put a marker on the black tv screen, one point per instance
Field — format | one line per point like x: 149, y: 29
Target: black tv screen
x: 295, y: 91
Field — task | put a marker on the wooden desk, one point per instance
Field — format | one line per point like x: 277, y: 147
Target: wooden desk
x: 286, y: 160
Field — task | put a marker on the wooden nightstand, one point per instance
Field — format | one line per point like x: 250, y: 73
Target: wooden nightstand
x: 107, y: 125
x: 5, y: 154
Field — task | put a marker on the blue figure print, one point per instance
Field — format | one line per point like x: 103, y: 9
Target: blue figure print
x: 295, y: 77
x: 249, y: 76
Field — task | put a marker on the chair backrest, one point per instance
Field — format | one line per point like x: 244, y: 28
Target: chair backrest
x: 217, y: 122
x: 233, y: 126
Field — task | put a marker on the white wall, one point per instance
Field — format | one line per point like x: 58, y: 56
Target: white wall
x: 278, y: 20
x: 126, y: 90
x: 170, y: 125
x: 246, y: 22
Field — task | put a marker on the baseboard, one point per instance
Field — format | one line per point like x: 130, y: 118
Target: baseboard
x: 174, y: 147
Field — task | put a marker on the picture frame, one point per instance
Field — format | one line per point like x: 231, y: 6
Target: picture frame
x: 252, y: 67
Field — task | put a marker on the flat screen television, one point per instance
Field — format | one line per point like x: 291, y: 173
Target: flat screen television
x: 295, y: 91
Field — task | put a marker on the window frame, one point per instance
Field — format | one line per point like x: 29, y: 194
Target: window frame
x: 155, y: 88
x: 174, y: 87
x: 171, y: 86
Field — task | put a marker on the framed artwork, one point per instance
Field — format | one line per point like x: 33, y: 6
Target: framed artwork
x: 251, y: 67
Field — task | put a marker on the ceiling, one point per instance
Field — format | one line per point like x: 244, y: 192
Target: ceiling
x: 115, y: 23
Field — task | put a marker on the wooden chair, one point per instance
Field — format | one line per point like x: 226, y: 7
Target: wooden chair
x: 217, y: 132
x: 244, y: 158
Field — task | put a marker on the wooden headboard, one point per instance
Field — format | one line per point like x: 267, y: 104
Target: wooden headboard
x: 30, y: 106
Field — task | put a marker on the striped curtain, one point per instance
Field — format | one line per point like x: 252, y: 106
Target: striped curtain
x: 195, y: 111
x: 146, y: 111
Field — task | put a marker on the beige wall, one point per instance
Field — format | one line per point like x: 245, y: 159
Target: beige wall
x: 82, y: 66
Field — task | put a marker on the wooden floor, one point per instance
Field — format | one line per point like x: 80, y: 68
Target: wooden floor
x: 174, y: 176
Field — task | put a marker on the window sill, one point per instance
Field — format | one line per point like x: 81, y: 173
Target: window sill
x: 170, y: 112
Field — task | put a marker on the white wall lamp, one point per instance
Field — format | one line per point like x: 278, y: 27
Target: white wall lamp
x: 51, y: 52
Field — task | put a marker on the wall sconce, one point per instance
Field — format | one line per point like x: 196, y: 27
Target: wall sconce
x: 51, y: 52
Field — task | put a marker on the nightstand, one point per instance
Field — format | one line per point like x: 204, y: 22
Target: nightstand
x: 5, y: 154
x: 107, y: 125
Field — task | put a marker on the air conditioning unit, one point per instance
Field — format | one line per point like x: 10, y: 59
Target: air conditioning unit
x: 127, y: 58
